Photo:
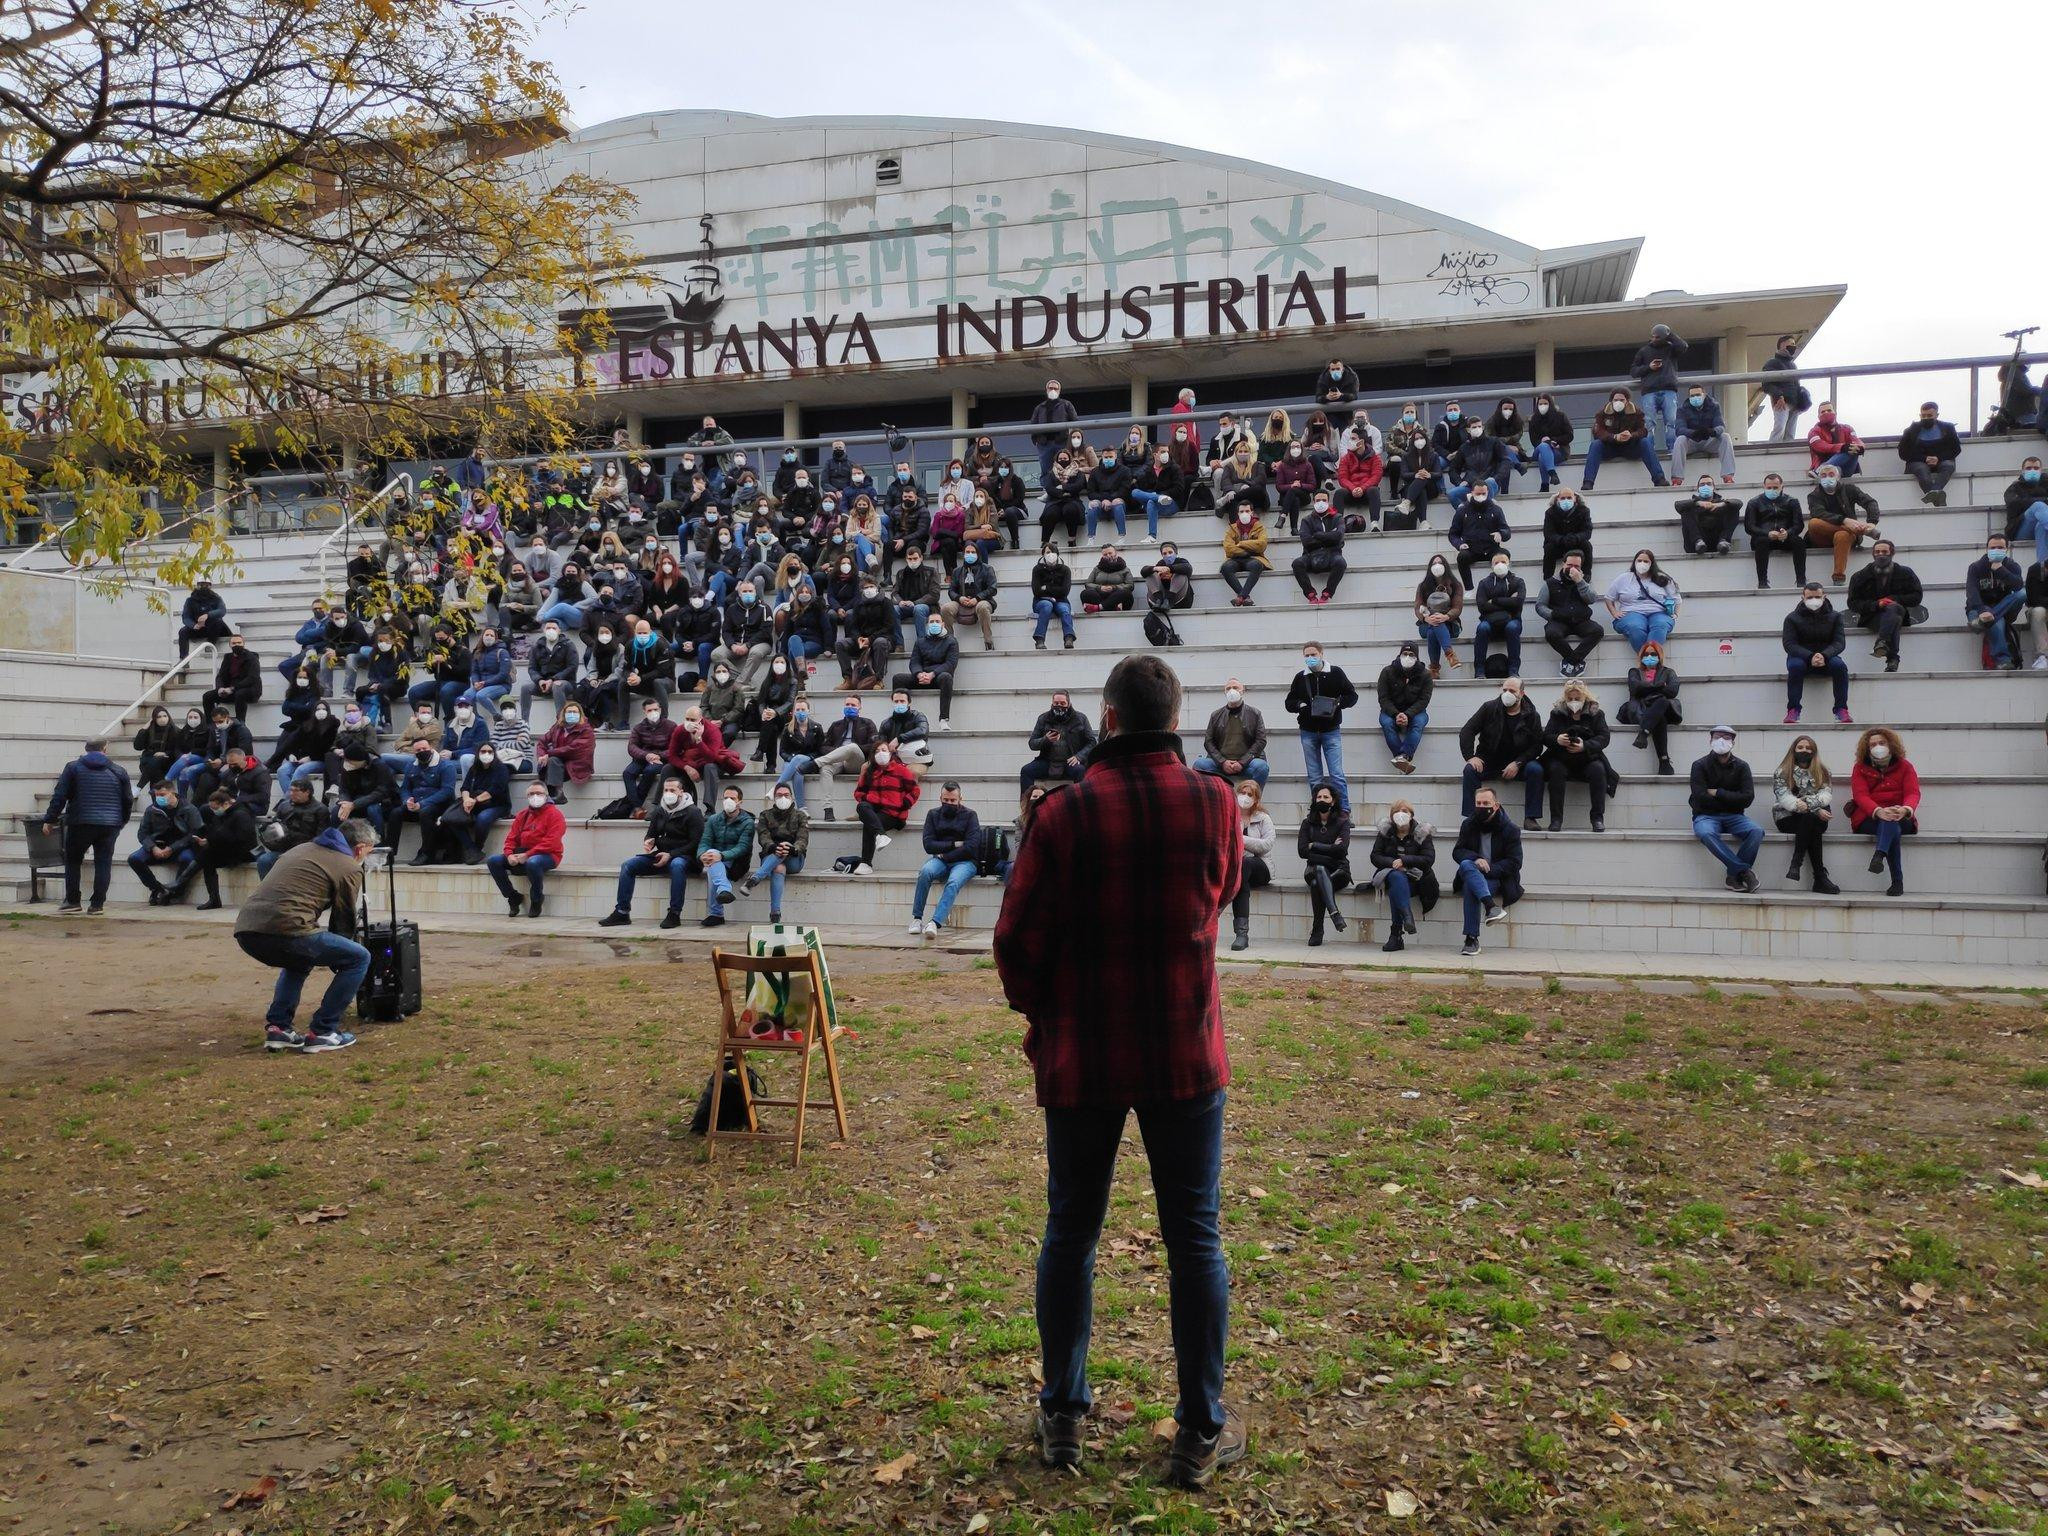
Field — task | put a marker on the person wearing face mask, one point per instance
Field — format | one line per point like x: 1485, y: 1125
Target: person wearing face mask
x: 519, y: 604
x: 1501, y: 596
x: 701, y: 748
x: 512, y: 739
x: 1405, y: 688
x: 533, y: 844
x: 1359, y: 473
x: 783, y: 832
x: 948, y: 532
x: 724, y: 851
x: 1062, y: 737
x: 906, y: 732
x: 1885, y: 596
x: 675, y: 830
x: 1048, y: 420
x: 1322, y: 553
x: 364, y: 787
x: 1107, y: 945
x: 1994, y: 593
x: 464, y: 736
x: 1929, y: 448
x: 447, y: 673
x: 550, y: 670
x: 1170, y: 579
x: 480, y: 800
x: 1838, y: 516
x: 227, y: 840
x: 1244, y: 479
x: 1295, y: 479
x: 1244, y: 556
x: 302, y: 748
x: 164, y: 845
x: 2026, y: 507
x: 882, y: 800
x: 1337, y: 384
x: 1507, y: 427
x: 934, y: 659
x: 767, y: 712
x: 843, y: 581
x: 1448, y: 435
x: 647, y: 752
x: 1655, y: 370
x: 1575, y: 747
x: 162, y: 741
x: 92, y: 801
x: 1787, y: 398
x: 952, y: 842
x: 1643, y: 601
x: 1802, y: 805
x: 1404, y: 867
x: 1254, y: 873
x: 1006, y: 492
x: 1884, y: 801
x: 1161, y: 488
x: 747, y: 637
x: 1108, y: 494
x: 1230, y: 434
x: 1701, y: 429
x: 1317, y: 698
x: 1619, y: 431
x: 565, y: 752
x: 1051, y: 582
x: 425, y: 790
x: 1567, y: 526
x: 1323, y: 843
x: 868, y: 638
x: 1488, y: 857
x: 984, y: 529
x: 842, y: 748
x: 1550, y: 439
x: 1503, y: 739
x: 1722, y: 789
x: 237, y: 681
x: 1479, y: 531
x: 1234, y: 745
x: 1834, y: 443
x: 1775, y: 525
x: 2037, y: 613
x: 602, y: 689
x: 423, y: 726
x: 204, y: 616
x: 1439, y: 606
x: 1478, y: 462
x: 1652, y: 705
x: 1707, y: 519
x: 1566, y: 609
x: 971, y: 599
x: 1066, y: 495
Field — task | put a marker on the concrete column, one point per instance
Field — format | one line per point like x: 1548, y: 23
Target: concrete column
x: 1141, y: 397
x: 792, y: 422
x: 223, y: 473
x: 1735, y: 397
x: 1546, y: 364
x: 962, y: 405
x: 351, y: 456
x: 636, y: 428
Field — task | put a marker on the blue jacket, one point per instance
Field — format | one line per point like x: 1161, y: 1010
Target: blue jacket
x: 94, y: 790
x: 491, y: 667
x: 1700, y: 422
x: 477, y: 735
x: 205, y: 602
x: 952, y: 833
x: 433, y: 786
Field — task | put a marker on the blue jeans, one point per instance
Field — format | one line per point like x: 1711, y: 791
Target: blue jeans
x: 186, y: 769
x: 1399, y: 894
x: 1045, y: 608
x: 180, y: 866
x: 1547, y: 460
x: 1660, y: 405
x: 715, y: 881
x: 1404, y: 741
x: 1486, y: 632
x: 290, y: 773
x: 1477, y: 891
x: 1598, y: 452
x: 1797, y: 668
x: 295, y: 959
x: 441, y: 695
x: 917, y: 613
x: 2034, y: 525
x: 1888, y: 835
x: 485, y: 698
x: 1322, y: 753
x: 2001, y: 651
x: 955, y: 875
x: 1184, y: 1142
x: 1710, y: 830
x: 1639, y: 629
x: 1531, y: 777
x: 1438, y: 638
x: 677, y: 873
x: 568, y: 615
x: 1112, y: 507
x: 1456, y: 492
x: 1156, y: 506
x: 775, y: 870
x: 1257, y: 769
x: 536, y: 866
x: 1846, y: 461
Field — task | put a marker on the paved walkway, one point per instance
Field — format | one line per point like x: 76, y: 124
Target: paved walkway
x: 1519, y: 969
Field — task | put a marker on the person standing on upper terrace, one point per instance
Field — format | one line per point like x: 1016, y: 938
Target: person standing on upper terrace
x: 1655, y: 370
x: 1047, y: 419
x: 1107, y: 945
x: 1929, y: 449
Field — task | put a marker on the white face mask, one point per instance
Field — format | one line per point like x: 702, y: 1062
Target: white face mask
x: 1233, y: 695
x: 671, y: 800
x: 1722, y: 746
x: 783, y: 802
x: 536, y: 800
x: 881, y: 759
x: 1436, y: 568
x: 1510, y: 698
x: 732, y: 807
x: 1813, y: 604
x: 1880, y: 753
x: 1407, y: 660
x: 1500, y: 568
x: 1642, y: 567
x: 1402, y: 819
x: 1575, y: 705
x: 1246, y: 801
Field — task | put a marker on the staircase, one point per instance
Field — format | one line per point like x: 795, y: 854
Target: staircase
x: 1974, y: 874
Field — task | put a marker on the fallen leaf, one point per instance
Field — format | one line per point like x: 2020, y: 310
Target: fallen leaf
x: 920, y: 1333
x: 2026, y: 1180
x: 1390, y: 1189
x: 1256, y: 1193
x: 1166, y: 1428
x: 324, y: 1213
x: 137, y: 1210
x: 1401, y: 1503
x: 1620, y: 1362
x: 255, y: 1493
x: 892, y: 1471
x: 978, y: 1523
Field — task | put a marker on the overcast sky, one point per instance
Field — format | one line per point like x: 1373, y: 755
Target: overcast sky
x: 1895, y: 148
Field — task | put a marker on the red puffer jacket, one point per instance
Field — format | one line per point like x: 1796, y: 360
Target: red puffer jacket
x: 891, y: 790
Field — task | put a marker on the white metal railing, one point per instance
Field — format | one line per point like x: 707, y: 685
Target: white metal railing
x: 205, y: 648
x: 350, y: 519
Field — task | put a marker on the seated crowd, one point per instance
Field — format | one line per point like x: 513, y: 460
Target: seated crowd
x: 689, y: 608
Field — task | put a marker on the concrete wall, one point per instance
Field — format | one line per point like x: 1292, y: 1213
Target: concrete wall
x: 57, y: 616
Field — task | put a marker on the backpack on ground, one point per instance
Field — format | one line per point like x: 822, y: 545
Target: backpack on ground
x: 732, y: 1104
x: 1496, y: 663
x: 620, y: 809
x: 1159, y: 628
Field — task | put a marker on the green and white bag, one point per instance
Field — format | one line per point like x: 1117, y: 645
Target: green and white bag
x: 786, y: 999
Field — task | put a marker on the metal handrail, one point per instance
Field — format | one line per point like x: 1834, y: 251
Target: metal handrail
x: 183, y: 664
x: 349, y: 519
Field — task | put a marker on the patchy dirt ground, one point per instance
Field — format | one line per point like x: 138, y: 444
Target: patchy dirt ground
x: 1533, y: 1262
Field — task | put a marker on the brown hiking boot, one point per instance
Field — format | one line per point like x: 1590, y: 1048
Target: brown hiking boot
x: 1195, y: 1458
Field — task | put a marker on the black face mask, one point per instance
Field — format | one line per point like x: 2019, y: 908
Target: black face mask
x: 1485, y: 812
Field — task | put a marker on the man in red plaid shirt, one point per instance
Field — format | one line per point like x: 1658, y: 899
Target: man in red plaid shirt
x: 1107, y: 944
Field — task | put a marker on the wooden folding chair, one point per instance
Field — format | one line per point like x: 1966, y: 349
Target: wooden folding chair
x: 734, y: 1044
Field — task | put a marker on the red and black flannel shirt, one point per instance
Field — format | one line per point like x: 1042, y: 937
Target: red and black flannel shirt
x: 1107, y: 939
